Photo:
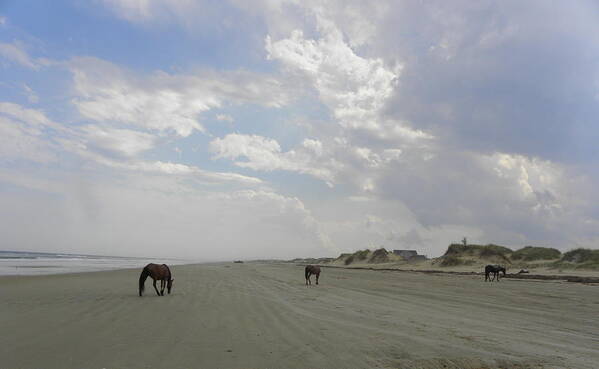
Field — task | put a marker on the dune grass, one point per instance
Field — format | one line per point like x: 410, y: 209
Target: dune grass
x: 459, y: 254
x: 579, y: 259
x: 379, y: 256
x: 532, y: 253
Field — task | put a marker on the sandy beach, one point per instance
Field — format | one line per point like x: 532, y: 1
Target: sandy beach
x: 263, y: 316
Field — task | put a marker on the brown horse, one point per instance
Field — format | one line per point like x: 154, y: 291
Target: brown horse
x: 493, y: 269
x: 158, y: 273
x: 312, y: 269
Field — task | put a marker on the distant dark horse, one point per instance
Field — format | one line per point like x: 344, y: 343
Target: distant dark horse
x: 312, y: 269
x: 158, y: 273
x: 495, y: 269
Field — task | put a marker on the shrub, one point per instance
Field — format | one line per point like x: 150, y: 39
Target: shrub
x: 487, y: 251
x: 581, y: 256
x: 499, y: 249
x: 361, y: 254
x: 379, y: 256
x: 530, y: 253
x: 477, y: 250
x: 450, y: 260
x: 455, y: 249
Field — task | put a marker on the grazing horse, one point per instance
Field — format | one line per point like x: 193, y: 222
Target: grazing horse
x: 158, y: 273
x: 312, y: 269
x: 495, y: 269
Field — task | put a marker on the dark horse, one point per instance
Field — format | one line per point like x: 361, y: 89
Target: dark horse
x: 312, y: 269
x: 495, y: 269
x: 158, y: 273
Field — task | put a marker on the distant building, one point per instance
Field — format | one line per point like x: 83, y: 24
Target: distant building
x: 410, y: 255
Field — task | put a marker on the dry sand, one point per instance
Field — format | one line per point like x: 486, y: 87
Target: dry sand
x: 263, y: 316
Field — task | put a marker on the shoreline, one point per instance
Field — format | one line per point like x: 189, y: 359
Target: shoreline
x: 61, y: 267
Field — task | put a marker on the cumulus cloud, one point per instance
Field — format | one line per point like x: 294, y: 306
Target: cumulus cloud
x: 483, y: 107
x: 430, y: 121
x: 496, y: 77
x: 508, y: 198
x: 354, y: 88
x: 265, y: 154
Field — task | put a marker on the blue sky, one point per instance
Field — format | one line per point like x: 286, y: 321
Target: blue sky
x: 218, y: 130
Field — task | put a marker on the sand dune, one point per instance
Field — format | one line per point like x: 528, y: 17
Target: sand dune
x: 263, y: 316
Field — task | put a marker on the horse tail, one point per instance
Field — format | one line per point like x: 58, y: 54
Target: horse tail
x: 142, y: 279
x: 307, y: 272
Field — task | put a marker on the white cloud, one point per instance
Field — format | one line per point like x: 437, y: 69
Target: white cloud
x: 265, y: 154
x: 203, y: 175
x: 408, y: 108
x: 28, y: 134
x: 32, y: 97
x: 23, y: 134
x: 142, y: 216
x: 131, y: 9
x: 26, y: 116
x: 354, y: 88
x: 371, y: 222
x: 225, y: 118
x: 16, y: 53
x: 163, y: 102
x: 121, y: 141
x: 540, y: 183
x: 158, y: 167
x: 142, y: 11
x: 23, y: 142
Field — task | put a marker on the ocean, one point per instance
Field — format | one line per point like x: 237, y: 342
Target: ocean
x: 40, y: 263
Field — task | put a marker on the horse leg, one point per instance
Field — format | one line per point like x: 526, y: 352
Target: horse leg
x: 156, y: 288
x: 317, y: 275
x: 162, y: 283
x: 308, y: 281
x: 486, y: 276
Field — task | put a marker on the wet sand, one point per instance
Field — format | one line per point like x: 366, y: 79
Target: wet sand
x: 263, y: 316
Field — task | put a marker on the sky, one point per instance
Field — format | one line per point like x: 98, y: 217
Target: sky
x: 219, y: 130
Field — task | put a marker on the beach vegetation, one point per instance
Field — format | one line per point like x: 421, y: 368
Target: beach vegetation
x: 532, y: 253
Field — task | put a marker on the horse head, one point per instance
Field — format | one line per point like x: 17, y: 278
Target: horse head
x: 169, y: 285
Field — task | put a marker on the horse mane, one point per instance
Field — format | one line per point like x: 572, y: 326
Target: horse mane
x: 142, y: 279
x: 170, y: 276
